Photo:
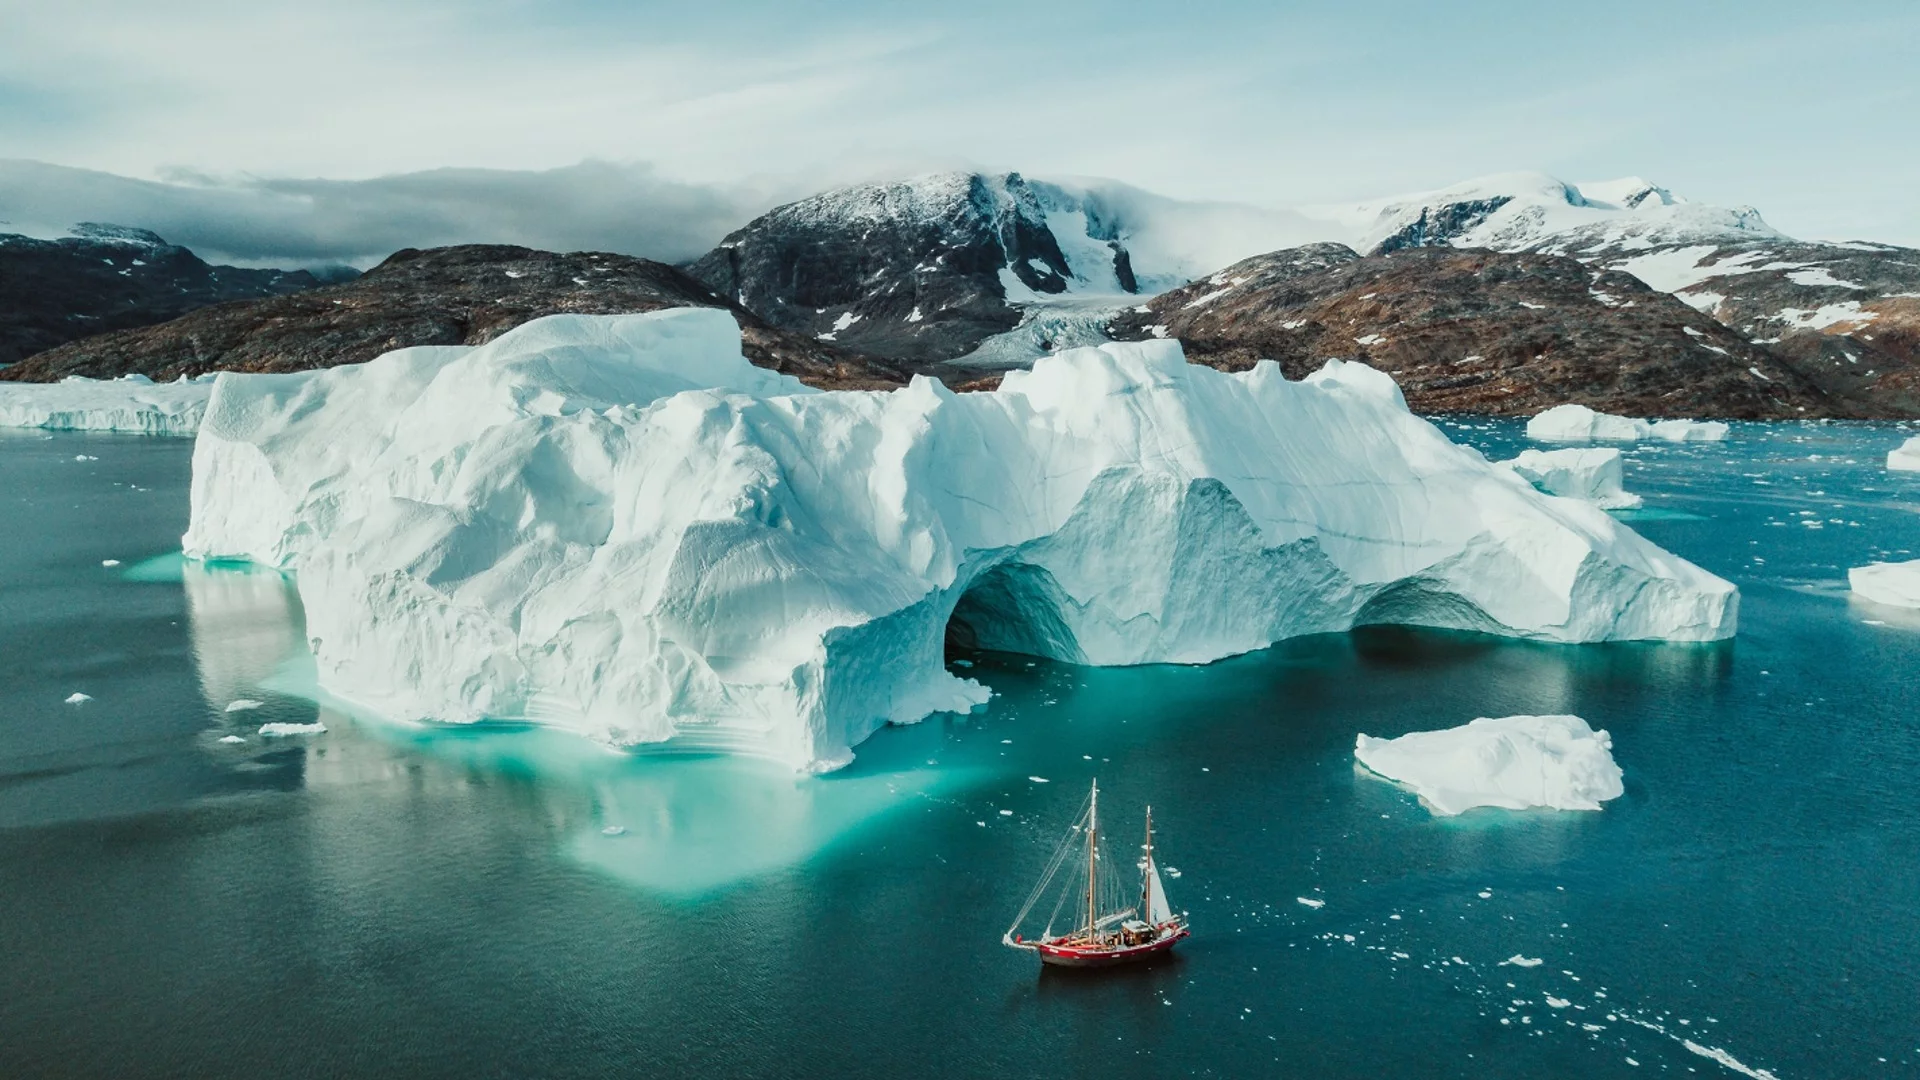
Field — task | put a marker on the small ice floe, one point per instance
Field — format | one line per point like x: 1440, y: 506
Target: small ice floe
x: 1172, y: 871
x: 109, y: 562
x: 1039, y: 779
x: 1006, y: 813
x: 1557, y: 1003
x: 1485, y: 894
x: 231, y: 739
x: 85, y: 457
x: 1893, y: 584
x: 1716, y: 1054
x: 1310, y: 901
x: 77, y: 697
x: 279, y: 729
x: 1517, y: 960
x: 614, y: 830
x: 1514, y: 762
x: 1906, y: 456
x: 243, y: 704
x: 963, y: 663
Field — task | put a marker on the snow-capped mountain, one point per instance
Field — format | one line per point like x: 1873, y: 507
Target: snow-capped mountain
x: 930, y: 268
x: 1846, y: 316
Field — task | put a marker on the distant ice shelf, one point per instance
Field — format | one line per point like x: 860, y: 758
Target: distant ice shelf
x: 1578, y: 423
x: 132, y: 403
x: 617, y: 525
x: 1514, y: 762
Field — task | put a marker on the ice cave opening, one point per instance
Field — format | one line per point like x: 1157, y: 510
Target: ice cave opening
x: 1014, y: 607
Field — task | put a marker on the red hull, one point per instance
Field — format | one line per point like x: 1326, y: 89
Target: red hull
x: 1072, y: 956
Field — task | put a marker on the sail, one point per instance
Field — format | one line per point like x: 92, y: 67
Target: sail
x: 1157, y: 909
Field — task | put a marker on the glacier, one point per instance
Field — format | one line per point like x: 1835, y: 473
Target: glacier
x: 1513, y: 762
x: 617, y: 525
x: 131, y: 403
x: 1590, y: 474
x: 1905, y: 457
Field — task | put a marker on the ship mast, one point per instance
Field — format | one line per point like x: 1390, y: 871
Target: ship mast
x: 1093, y: 829
x: 1146, y: 895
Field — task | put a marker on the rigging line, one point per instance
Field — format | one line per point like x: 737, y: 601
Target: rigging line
x: 1067, y: 844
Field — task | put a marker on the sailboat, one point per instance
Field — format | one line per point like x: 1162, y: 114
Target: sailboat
x: 1109, y: 923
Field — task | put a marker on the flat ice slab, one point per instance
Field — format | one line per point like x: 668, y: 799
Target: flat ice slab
x: 1515, y: 762
x: 133, y: 403
x: 617, y: 525
x: 1590, y: 474
x: 1578, y: 423
x: 1906, y: 456
x: 1893, y: 584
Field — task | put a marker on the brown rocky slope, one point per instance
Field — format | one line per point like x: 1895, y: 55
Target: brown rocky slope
x: 465, y: 295
x: 1470, y: 330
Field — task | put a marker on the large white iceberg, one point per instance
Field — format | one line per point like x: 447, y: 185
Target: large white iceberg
x: 1906, y: 456
x: 1893, y: 584
x: 132, y: 403
x: 1590, y: 474
x: 1515, y: 762
x: 619, y: 525
x: 1577, y: 423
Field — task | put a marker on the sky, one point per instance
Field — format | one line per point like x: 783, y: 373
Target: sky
x: 305, y: 132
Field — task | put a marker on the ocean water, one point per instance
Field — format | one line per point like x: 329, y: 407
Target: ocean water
x: 384, y: 900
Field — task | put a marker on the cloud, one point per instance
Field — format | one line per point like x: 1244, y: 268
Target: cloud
x: 604, y: 206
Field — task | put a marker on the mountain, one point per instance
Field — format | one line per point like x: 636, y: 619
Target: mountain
x: 935, y: 268
x: 465, y: 295
x: 1846, y: 316
x: 110, y: 277
x: 1475, y: 330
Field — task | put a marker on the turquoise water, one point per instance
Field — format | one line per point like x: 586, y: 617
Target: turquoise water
x: 505, y: 901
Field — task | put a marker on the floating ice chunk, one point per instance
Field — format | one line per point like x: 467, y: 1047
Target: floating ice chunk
x: 617, y: 525
x: 134, y: 404
x: 614, y: 830
x: 1728, y: 1060
x: 1557, y: 1003
x: 1038, y: 779
x: 1517, y: 960
x: 280, y: 728
x: 1893, y: 584
x: 243, y: 704
x: 1906, y: 456
x: 1514, y: 762
x: 1575, y: 423
x: 231, y: 739
x: 77, y: 697
x: 1311, y: 902
x: 109, y: 562
x: 1006, y: 813
x: 1590, y: 474
x: 1690, y: 430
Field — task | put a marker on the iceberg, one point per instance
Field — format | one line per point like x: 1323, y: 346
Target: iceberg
x: 1593, y: 475
x: 617, y: 525
x: 131, y: 403
x: 1893, y: 584
x: 1906, y: 456
x: 1577, y: 423
x: 1515, y: 762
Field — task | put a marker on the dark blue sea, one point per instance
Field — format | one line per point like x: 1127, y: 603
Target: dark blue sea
x: 498, y: 901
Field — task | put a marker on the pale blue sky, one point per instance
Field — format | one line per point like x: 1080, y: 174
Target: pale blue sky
x: 1807, y: 111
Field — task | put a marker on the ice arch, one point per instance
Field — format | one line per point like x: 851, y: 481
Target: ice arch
x: 618, y: 525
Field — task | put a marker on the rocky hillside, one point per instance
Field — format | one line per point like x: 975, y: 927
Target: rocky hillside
x: 1479, y: 331
x: 922, y: 270
x: 108, y: 277
x: 464, y: 295
x: 1846, y: 316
